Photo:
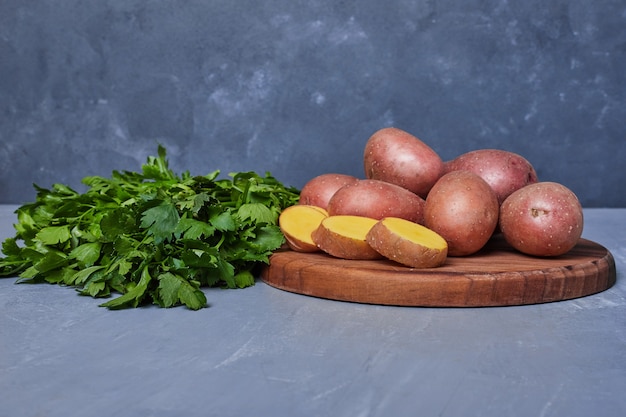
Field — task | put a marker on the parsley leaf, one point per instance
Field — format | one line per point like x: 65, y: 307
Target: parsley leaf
x: 53, y: 234
x: 160, y: 220
x: 151, y: 237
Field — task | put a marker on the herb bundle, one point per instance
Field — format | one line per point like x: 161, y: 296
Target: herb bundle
x: 152, y: 236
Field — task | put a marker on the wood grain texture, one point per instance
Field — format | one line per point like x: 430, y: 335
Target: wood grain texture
x: 496, y: 276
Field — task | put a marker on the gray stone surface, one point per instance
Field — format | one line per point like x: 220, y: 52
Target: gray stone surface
x: 296, y: 88
x: 265, y: 352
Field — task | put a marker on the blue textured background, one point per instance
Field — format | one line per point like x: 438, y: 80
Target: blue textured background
x: 297, y: 87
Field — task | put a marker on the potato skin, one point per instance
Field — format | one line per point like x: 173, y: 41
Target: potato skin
x: 504, y: 171
x: 341, y: 246
x: 318, y: 190
x: 377, y: 199
x: 395, y: 156
x: 404, y: 251
x: 464, y: 210
x: 543, y: 219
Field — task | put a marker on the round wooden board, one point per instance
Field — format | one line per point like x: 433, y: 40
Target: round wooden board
x: 496, y: 276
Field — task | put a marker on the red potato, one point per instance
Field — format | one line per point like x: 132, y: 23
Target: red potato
x: 318, y: 190
x: 463, y: 209
x: 376, y: 199
x: 542, y: 219
x: 504, y: 171
x: 395, y: 156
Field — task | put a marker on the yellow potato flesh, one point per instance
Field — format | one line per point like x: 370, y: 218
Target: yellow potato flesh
x: 415, y: 233
x: 354, y: 227
x: 344, y: 236
x: 298, y: 222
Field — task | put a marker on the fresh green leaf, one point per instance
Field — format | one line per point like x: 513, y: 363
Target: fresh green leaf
x: 26, y: 225
x: 61, y: 276
x: 52, y: 235
x: 160, y: 221
x: 194, y: 229
x: 95, y: 289
x: 223, y: 222
x: 169, y: 284
x: 87, y: 253
x: 134, y: 296
x: 186, y: 231
x: 256, y: 213
x: 244, y: 279
x: 191, y: 296
x: 200, y: 200
x: 268, y: 238
x: 226, y: 272
x: 117, y: 222
x: 10, y: 247
x: 50, y: 261
x: 81, y: 276
x: 29, y: 274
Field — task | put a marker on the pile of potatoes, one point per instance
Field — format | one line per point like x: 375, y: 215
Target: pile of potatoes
x: 416, y: 209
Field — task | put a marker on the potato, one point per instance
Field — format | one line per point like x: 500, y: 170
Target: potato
x: 376, y: 199
x: 464, y: 210
x: 318, y: 190
x: 395, y: 156
x: 408, y: 243
x: 504, y: 171
x: 298, y: 223
x: 344, y: 237
x: 542, y: 219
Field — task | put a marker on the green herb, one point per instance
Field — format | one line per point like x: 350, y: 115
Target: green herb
x: 153, y: 237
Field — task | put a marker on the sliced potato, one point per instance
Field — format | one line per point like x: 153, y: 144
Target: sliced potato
x: 408, y: 243
x: 298, y: 222
x: 343, y: 236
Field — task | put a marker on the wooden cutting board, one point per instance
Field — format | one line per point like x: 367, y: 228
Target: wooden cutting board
x: 496, y: 276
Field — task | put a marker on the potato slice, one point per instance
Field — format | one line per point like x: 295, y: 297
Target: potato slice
x: 298, y: 222
x: 343, y: 236
x: 408, y: 243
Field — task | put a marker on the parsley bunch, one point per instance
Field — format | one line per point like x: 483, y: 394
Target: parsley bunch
x: 153, y: 237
